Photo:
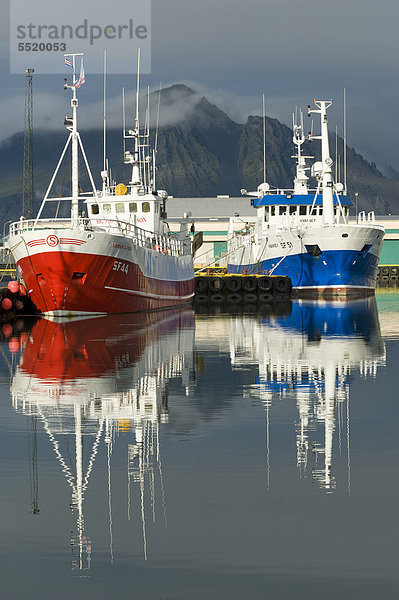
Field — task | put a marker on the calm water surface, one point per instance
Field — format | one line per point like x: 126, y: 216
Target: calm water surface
x: 207, y: 456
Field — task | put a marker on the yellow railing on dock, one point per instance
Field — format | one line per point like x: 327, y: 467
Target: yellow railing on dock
x: 12, y: 272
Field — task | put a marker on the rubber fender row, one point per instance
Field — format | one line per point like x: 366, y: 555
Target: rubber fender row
x: 388, y: 276
x: 14, y: 300
x: 275, y: 308
x: 251, y: 285
x: 392, y: 270
x: 388, y: 281
x: 245, y: 299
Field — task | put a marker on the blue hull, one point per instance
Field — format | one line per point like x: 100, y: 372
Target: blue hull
x: 356, y: 320
x: 344, y: 268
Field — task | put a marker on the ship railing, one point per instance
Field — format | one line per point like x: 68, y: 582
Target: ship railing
x: 361, y: 217
x: 241, y: 238
x: 156, y: 241
x: 163, y: 244
x: 141, y: 191
x: 24, y: 225
x: 287, y: 192
x: 244, y: 231
x: 364, y: 219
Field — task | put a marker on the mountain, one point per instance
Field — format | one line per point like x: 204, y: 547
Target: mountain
x: 201, y: 152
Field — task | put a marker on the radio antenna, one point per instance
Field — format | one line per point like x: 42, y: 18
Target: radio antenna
x: 105, y: 112
x: 336, y: 153
x: 156, y: 135
x: 345, y: 157
x: 264, y: 137
x: 123, y: 122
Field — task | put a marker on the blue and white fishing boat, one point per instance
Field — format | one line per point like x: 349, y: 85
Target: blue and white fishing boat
x: 304, y: 233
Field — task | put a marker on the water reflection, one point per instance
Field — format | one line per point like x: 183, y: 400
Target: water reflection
x: 87, y: 382
x: 309, y: 355
x: 90, y: 383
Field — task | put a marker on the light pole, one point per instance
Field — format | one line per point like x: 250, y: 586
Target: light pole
x: 27, y: 171
x: 356, y: 197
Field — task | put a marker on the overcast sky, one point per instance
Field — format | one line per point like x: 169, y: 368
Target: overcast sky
x: 232, y: 51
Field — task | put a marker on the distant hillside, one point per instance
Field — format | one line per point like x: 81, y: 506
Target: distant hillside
x: 203, y: 153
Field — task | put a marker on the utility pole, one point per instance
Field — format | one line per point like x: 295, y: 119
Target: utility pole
x: 27, y: 191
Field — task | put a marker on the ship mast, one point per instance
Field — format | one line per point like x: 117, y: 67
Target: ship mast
x: 330, y: 384
x: 129, y: 157
x: 136, y: 164
x: 71, y: 123
x: 327, y: 178
x: 78, y: 491
x: 301, y: 179
x: 75, y: 136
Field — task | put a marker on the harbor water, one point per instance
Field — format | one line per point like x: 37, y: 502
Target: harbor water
x: 215, y: 455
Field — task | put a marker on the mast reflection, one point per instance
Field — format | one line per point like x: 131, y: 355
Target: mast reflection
x: 309, y: 355
x: 88, y: 381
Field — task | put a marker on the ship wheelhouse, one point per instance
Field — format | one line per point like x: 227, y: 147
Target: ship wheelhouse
x: 286, y: 208
x: 133, y: 206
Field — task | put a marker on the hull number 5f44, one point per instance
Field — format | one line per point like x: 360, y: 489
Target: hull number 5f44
x: 120, y: 266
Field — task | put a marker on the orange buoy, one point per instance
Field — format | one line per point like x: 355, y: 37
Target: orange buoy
x: 6, y: 330
x: 13, y: 286
x: 6, y: 304
x: 120, y: 189
x: 14, y: 345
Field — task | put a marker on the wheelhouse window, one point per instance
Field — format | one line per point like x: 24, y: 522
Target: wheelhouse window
x: 302, y: 211
x: 95, y: 210
x: 293, y: 210
x: 132, y: 207
x: 106, y: 209
x: 120, y: 207
x: 283, y: 210
x: 266, y: 214
x: 272, y: 211
x: 146, y: 207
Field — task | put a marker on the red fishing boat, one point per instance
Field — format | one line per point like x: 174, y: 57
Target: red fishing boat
x: 117, y: 254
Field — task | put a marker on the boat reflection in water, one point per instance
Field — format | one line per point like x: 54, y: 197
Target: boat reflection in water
x: 89, y: 380
x: 309, y: 355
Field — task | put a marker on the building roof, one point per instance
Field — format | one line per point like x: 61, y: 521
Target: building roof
x: 209, y: 208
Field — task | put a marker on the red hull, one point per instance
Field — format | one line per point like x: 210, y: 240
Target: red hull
x: 92, y: 348
x: 73, y: 282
